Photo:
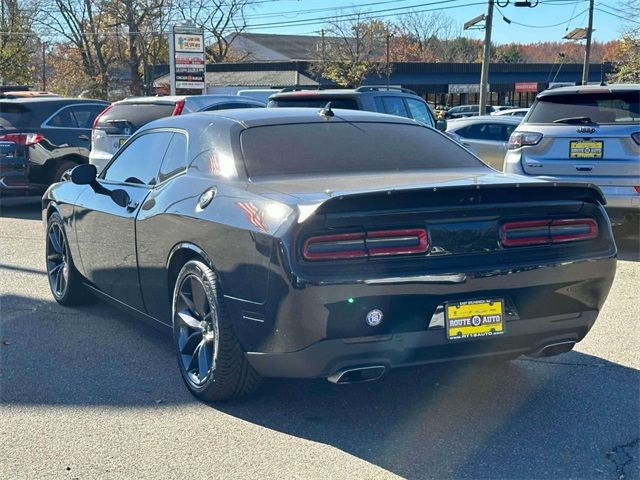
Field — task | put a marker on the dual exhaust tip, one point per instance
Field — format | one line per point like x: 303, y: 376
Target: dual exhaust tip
x: 374, y: 372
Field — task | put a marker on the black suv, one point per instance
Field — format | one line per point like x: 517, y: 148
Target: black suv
x: 390, y: 100
x: 41, y: 138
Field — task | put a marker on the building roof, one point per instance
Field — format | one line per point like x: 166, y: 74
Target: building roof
x: 265, y: 46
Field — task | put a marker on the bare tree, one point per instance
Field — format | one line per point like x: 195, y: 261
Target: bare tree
x: 427, y: 33
x: 221, y: 21
x: 354, y: 48
x: 84, y: 24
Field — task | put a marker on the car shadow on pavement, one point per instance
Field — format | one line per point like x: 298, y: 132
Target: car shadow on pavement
x: 28, y: 210
x: 573, y: 415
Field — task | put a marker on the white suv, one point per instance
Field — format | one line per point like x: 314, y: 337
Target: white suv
x: 120, y: 120
x: 585, y: 134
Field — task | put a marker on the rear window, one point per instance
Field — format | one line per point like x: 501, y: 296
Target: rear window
x: 126, y: 118
x: 603, y: 107
x: 315, y: 102
x: 14, y: 115
x: 341, y: 147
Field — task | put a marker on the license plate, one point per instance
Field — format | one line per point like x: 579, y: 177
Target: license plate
x: 477, y: 318
x: 586, y: 149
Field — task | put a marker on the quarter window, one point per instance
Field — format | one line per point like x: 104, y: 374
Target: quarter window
x: 419, y: 111
x: 175, y: 160
x: 140, y: 161
x: 84, y: 115
x: 394, y: 106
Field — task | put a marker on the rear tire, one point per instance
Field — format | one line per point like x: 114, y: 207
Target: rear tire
x: 210, y: 358
x: 61, y: 168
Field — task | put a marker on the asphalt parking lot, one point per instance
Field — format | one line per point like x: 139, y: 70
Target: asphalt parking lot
x: 91, y: 393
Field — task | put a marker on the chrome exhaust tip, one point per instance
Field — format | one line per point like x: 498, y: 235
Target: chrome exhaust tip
x: 358, y: 374
x: 554, y: 349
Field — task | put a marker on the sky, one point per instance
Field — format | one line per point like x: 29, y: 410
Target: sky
x: 550, y: 20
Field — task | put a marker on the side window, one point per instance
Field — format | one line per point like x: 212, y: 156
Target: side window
x: 140, y: 161
x: 419, y: 111
x: 478, y: 131
x: 394, y: 106
x: 85, y: 114
x: 507, y: 131
x: 63, y: 119
x: 175, y: 160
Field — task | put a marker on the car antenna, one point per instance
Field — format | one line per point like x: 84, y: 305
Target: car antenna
x: 326, y: 111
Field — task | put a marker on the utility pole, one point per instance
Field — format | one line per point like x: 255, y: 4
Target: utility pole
x: 587, y: 48
x: 44, y: 67
x: 388, y: 64
x: 486, y: 57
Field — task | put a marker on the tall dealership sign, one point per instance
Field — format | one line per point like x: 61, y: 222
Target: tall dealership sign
x: 187, y: 62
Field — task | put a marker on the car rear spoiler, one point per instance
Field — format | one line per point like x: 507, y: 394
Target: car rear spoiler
x: 461, y: 195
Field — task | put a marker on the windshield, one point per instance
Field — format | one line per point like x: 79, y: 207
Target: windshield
x: 341, y: 147
x: 315, y: 102
x: 601, y: 107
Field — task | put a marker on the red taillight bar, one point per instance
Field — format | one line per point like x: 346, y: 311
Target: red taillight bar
x: 537, y: 232
x: 95, y: 121
x: 366, y: 244
x: 23, y: 139
x: 177, y: 110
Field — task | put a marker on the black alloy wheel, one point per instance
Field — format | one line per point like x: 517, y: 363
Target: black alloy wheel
x: 210, y: 358
x: 64, y: 280
x: 197, y: 330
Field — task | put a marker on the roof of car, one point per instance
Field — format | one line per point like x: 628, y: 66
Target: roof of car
x: 343, y: 92
x: 176, y: 98
x: 255, y: 117
x: 627, y: 87
x: 486, y: 118
x: 61, y: 100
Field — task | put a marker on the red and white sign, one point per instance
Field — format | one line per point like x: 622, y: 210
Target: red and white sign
x: 522, y: 87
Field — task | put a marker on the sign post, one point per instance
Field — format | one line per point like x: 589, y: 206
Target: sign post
x: 187, y: 70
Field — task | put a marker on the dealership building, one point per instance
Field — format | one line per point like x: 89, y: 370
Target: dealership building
x: 286, y: 61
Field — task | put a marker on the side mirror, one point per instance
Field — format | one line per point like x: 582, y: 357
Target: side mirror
x: 84, y: 174
x: 441, y: 125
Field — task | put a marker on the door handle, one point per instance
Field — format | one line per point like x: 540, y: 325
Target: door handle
x: 131, y: 206
x: 84, y: 137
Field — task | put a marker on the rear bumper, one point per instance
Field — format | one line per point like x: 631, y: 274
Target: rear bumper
x: 324, y: 358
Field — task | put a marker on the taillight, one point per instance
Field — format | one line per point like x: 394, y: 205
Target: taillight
x: 637, y: 188
x: 177, y: 110
x: 636, y: 137
x: 24, y: 139
x: 366, y: 244
x: 537, y: 232
x: 95, y: 122
x: 521, y: 139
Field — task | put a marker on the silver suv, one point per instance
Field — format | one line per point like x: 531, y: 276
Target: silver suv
x: 586, y: 134
x: 120, y: 120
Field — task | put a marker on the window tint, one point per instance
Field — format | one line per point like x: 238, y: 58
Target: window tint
x: 394, y: 106
x: 419, y: 111
x: 230, y: 105
x: 84, y: 115
x: 175, y: 160
x: 340, y: 147
x: 604, y: 107
x: 140, y: 161
x: 315, y: 102
x: 126, y: 118
x: 63, y: 119
x: 14, y: 115
x: 487, y: 131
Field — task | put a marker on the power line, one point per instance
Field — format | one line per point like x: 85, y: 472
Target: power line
x: 543, y: 26
x: 618, y: 16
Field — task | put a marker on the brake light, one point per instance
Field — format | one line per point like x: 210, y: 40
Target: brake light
x: 97, y: 119
x: 177, y: 110
x: 24, y: 139
x: 521, y: 139
x: 636, y: 137
x: 366, y: 244
x: 537, y: 232
x: 637, y: 188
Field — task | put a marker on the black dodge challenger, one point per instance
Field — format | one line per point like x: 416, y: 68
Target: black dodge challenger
x: 332, y: 243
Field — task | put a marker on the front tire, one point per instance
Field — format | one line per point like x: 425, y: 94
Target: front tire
x: 210, y: 358
x: 64, y: 280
